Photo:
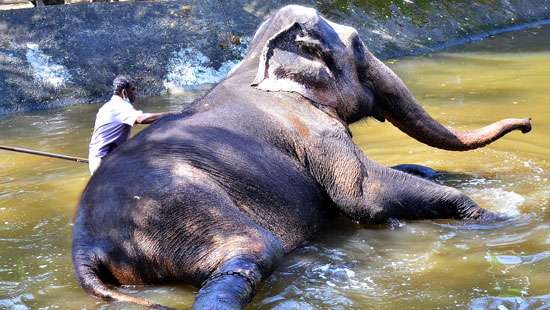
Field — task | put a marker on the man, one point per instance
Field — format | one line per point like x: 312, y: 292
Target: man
x: 114, y: 121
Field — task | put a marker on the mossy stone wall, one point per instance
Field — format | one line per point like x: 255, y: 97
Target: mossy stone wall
x: 96, y: 41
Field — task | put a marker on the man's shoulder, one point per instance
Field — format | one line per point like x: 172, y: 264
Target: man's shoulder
x: 116, y: 104
x: 117, y: 110
x: 108, y: 104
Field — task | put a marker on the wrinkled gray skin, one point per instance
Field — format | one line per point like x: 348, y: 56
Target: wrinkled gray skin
x: 217, y: 195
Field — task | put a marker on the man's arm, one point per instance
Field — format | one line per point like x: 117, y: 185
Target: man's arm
x: 147, y: 118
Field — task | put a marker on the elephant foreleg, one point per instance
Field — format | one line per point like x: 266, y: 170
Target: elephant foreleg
x: 393, y: 194
x: 368, y: 192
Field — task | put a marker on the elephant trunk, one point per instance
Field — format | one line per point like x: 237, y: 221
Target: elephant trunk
x: 402, y: 110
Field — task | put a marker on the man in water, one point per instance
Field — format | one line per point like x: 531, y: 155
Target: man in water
x: 115, y: 119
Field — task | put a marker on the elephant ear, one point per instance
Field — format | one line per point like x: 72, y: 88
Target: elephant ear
x: 296, y: 60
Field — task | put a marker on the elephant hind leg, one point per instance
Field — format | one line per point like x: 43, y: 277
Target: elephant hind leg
x: 233, y: 284
x: 417, y: 170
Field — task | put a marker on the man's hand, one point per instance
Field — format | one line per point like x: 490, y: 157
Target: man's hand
x: 147, y: 118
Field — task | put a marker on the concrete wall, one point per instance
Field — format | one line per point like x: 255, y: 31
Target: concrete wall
x: 66, y: 54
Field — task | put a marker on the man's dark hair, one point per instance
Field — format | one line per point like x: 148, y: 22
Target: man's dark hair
x: 122, y: 82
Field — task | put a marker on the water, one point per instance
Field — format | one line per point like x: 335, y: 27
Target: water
x: 423, y: 264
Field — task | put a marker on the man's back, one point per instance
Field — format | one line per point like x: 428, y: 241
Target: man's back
x: 113, y: 123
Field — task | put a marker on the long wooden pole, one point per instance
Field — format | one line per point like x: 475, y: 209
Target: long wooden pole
x: 40, y: 153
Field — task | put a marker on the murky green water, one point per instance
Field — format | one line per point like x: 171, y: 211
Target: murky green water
x: 406, y: 265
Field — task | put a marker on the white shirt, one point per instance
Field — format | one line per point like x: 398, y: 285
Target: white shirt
x: 113, y: 123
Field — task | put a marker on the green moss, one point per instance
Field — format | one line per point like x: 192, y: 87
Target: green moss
x: 331, y: 6
x: 419, y: 11
x: 381, y: 8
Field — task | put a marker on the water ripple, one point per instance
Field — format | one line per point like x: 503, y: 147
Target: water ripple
x: 511, y: 303
x: 517, y: 259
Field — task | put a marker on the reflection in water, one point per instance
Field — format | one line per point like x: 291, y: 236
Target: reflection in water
x: 424, y: 264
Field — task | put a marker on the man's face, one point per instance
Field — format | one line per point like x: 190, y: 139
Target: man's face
x: 131, y: 94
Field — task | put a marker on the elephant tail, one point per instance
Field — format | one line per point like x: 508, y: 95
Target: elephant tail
x: 89, y: 270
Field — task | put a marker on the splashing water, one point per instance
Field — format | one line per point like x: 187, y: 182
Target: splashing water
x: 189, y: 67
x: 500, y: 200
x: 44, y: 70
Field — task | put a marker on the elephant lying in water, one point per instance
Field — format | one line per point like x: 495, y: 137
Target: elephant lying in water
x: 217, y: 195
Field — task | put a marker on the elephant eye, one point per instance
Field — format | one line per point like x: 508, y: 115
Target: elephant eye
x: 309, y: 45
x: 308, y: 50
x: 314, y: 46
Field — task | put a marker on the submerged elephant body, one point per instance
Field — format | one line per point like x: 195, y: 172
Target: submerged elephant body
x: 217, y: 195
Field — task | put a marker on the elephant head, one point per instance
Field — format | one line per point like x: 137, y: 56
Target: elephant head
x: 297, y: 50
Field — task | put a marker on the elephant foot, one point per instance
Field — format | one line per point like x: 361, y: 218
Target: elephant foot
x: 417, y: 170
x: 470, y: 212
x: 231, y: 287
x: 488, y: 217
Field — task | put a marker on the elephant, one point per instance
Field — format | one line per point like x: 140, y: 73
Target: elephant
x: 38, y: 3
x: 217, y: 195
